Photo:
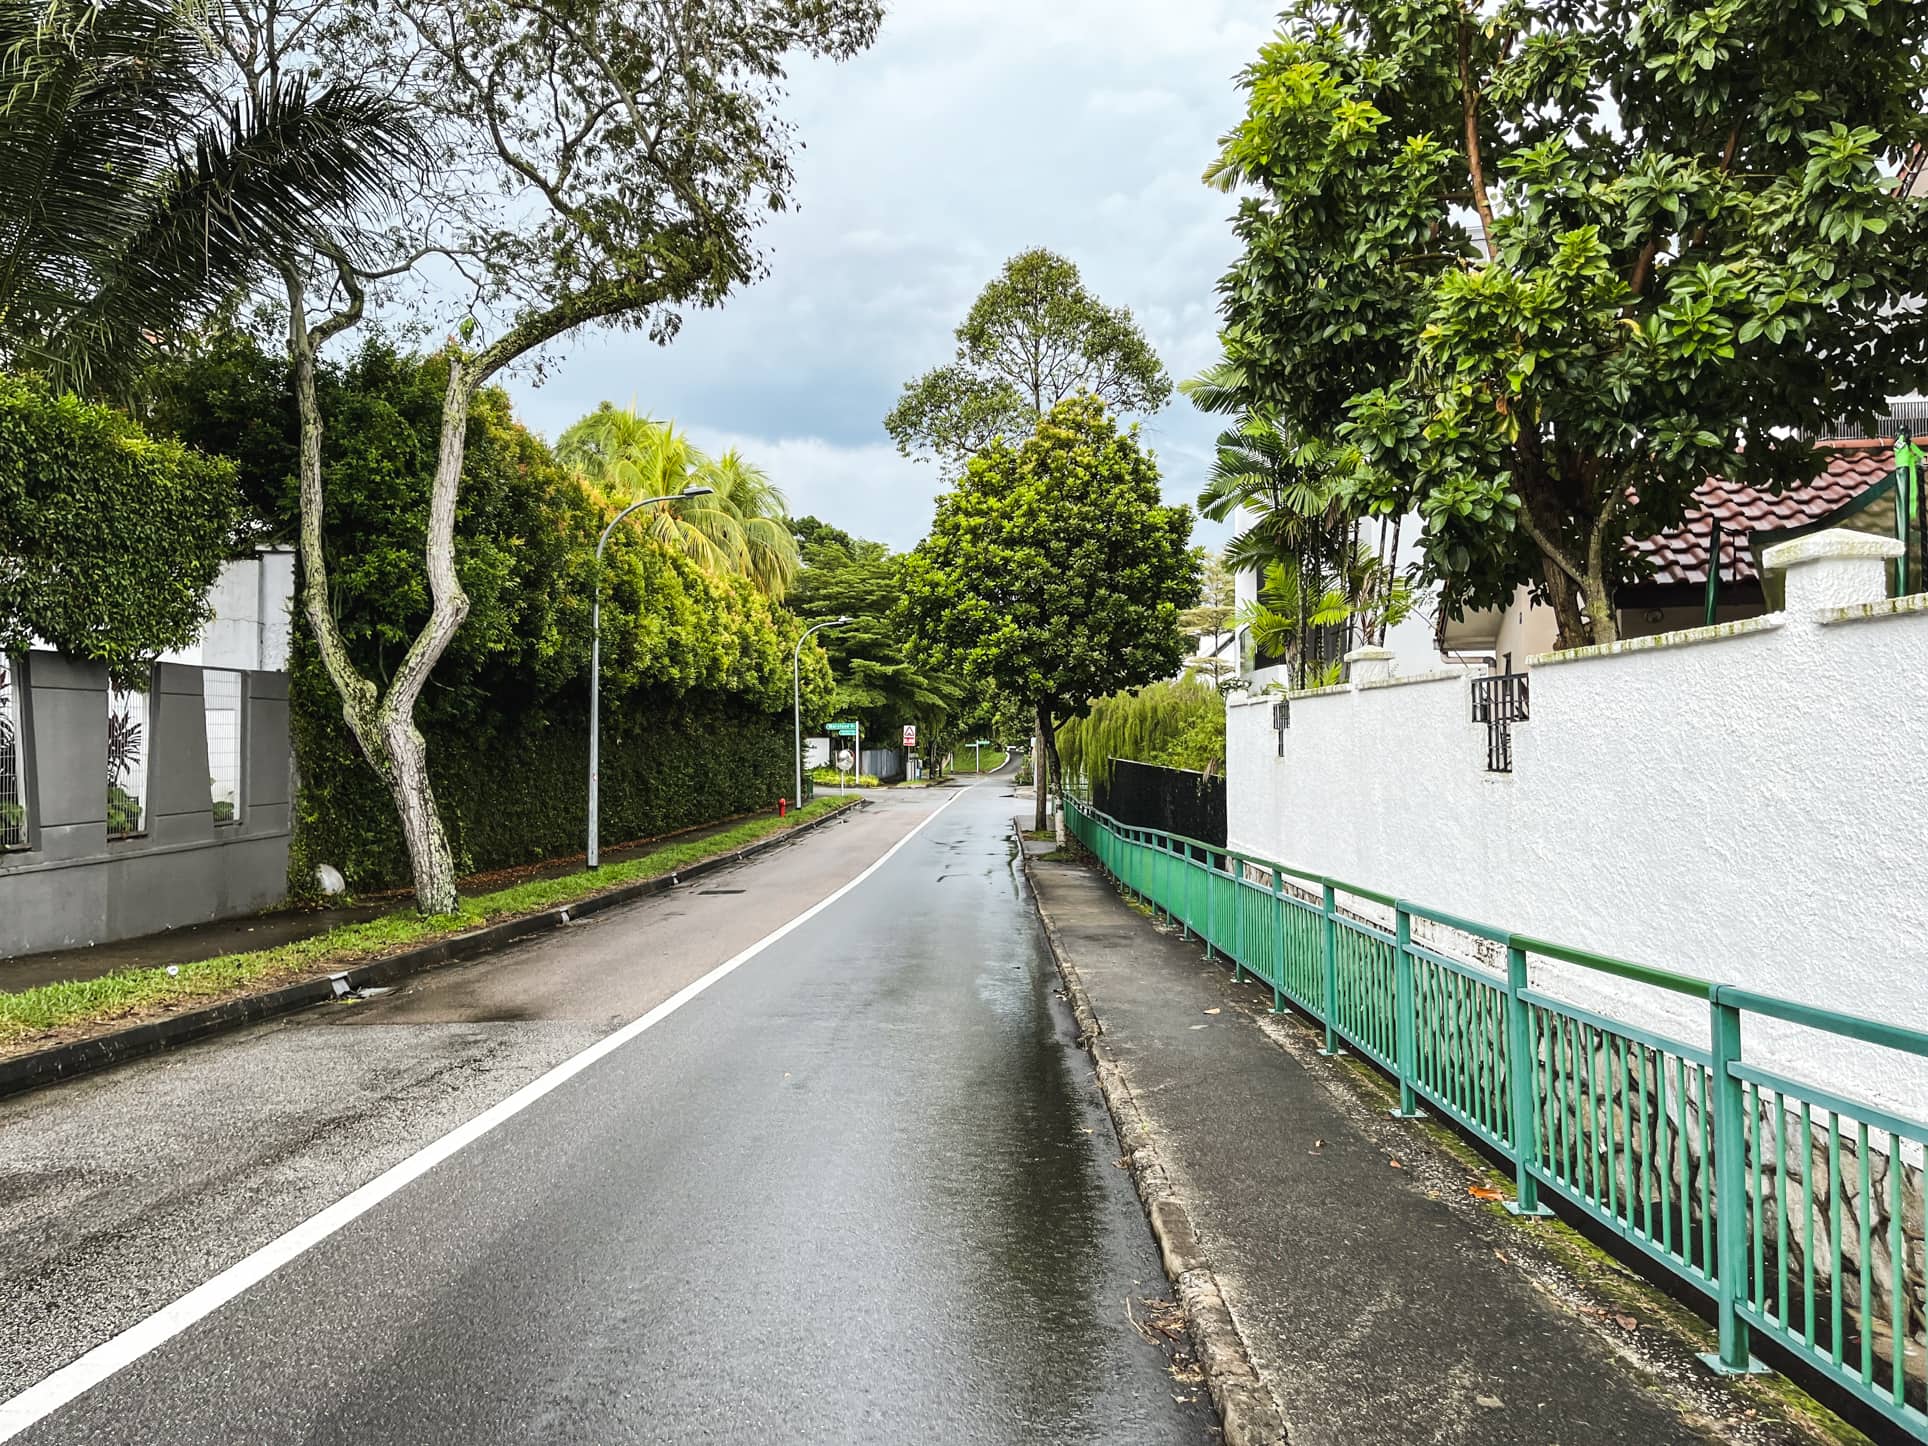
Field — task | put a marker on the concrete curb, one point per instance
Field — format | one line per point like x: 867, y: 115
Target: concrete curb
x: 63, y: 1062
x: 1246, y: 1409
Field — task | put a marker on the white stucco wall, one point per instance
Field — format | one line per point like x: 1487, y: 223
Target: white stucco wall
x: 1746, y: 804
x: 253, y: 600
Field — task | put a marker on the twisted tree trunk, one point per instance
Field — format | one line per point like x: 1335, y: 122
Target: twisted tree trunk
x: 383, y: 723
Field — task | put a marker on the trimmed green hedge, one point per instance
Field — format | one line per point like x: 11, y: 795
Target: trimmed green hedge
x: 518, y: 793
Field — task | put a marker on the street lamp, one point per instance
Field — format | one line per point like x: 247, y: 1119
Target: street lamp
x: 796, y: 694
x: 595, y: 661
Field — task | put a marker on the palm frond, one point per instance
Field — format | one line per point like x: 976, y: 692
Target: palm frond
x: 129, y: 207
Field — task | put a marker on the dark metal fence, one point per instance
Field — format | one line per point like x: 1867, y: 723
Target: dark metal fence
x: 1145, y: 795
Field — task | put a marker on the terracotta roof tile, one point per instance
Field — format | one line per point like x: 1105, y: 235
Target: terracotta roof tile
x: 1680, y: 554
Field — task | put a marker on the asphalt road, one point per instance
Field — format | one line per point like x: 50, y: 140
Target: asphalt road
x: 859, y: 1189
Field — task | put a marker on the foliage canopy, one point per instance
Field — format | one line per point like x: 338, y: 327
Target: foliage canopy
x: 109, y: 538
x: 1550, y: 266
x: 1053, y: 573
x: 1034, y: 336
x: 883, y: 680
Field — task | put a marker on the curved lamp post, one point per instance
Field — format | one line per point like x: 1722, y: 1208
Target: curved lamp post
x: 595, y: 662
x: 796, y: 693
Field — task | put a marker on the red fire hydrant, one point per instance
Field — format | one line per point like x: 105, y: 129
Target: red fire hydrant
x: 783, y: 807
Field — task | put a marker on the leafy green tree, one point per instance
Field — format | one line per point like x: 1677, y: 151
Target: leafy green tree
x: 583, y: 162
x: 1034, y: 337
x: 109, y: 538
x: 134, y: 201
x: 741, y: 527
x: 696, y: 666
x: 1053, y: 574
x: 1548, y: 267
x: 883, y: 679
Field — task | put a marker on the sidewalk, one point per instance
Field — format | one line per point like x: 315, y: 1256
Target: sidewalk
x: 1379, y: 1300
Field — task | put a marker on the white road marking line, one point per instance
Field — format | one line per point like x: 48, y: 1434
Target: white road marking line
x: 76, y: 1378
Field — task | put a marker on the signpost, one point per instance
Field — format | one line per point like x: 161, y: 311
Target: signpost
x: 978, y: 744
x: 910, y: 735
x: 845, y: 756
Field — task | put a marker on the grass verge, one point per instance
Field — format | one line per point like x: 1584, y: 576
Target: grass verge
x: 29, y: 1016
x: 964, y: 760
x: 827, y: 778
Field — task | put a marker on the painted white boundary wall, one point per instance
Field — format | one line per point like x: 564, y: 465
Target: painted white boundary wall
x: 1746, y: 803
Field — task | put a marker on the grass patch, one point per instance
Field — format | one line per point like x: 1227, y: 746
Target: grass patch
x: 964, y: 760
x: 78, y: 1003
x: 827, y: 778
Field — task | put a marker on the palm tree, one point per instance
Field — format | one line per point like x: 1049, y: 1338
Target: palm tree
x: 767, y: 549
x: 133, y: 201
x: 1303, y: 533
x: 741, y: 528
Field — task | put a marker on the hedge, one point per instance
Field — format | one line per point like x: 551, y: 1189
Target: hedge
x: 517, y: 792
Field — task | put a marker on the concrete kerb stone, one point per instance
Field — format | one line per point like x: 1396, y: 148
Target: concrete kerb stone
x: 1247, y: 1411
x: 83, y: 1056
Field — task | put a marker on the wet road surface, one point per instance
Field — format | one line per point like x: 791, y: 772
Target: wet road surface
x: 860, y: 1189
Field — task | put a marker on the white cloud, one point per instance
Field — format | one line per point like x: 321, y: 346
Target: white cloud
x: 973, y: 129
x: 867, y: 489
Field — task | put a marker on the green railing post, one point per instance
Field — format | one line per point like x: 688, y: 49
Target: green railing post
x: 1405, y: 1016
x: 1207, y: 882
x: 1278, y: 934
x: 1522, y: 1078
x: 1730, y: 1194
x: 1183, y: 892
x: 1238, y: 917
x: 1331, y: 972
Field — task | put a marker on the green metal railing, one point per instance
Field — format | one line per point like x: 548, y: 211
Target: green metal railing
x: 1797, y: 1210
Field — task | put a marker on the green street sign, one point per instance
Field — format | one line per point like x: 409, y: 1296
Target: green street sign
x: 848, y: 730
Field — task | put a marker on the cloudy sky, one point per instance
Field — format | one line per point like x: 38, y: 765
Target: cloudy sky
x: 973, y: 129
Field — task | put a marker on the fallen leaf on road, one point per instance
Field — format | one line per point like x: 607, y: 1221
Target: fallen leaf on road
x: 1318, y: 1144
x: 1492, y: 1403
x: 1628, y: 1323
x: 1484, y: 1192
x: 1213, y: 1010
x: 1395, y: 1164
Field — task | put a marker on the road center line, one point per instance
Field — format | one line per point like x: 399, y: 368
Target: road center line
x: 79, y: 1376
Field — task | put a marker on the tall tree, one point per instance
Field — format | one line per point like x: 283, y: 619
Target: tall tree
x: 1053, y: 574
x: 607, y: 161
x: 1551, y: 266
x: 1034, y: 337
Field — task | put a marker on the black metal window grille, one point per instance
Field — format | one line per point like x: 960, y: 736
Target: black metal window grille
x: 1499, y: 702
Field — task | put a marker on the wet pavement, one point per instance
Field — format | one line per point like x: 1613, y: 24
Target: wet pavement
x: 1379, y: 1300
x: 861, y: 1189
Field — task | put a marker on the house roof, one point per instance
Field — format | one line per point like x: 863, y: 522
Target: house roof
x: 1679, y: 555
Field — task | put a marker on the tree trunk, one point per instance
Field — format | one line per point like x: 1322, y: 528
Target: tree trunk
x: 1040, y: 770
x: 1565, y: 597
x: 429, y: 857
x: 384, y: 725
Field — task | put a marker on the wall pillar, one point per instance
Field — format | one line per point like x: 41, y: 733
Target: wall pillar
x: 1833, y: 569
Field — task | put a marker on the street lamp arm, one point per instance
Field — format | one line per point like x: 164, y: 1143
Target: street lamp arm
x: 602, y: 541
x: 797, y: 654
